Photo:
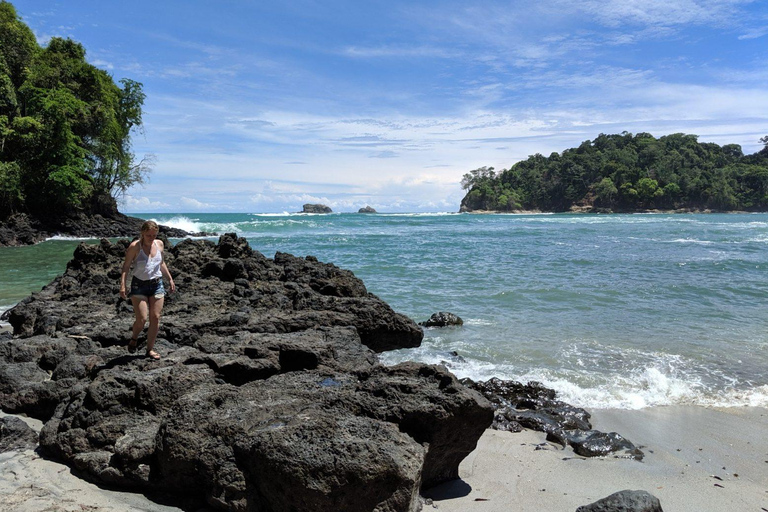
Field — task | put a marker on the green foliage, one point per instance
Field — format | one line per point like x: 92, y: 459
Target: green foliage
x: 626, y: 172
x: 65, y: 125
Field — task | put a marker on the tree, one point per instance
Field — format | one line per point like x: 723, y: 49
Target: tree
x: 605, y: 192
x: 477, y: 177
x: 65, y: 125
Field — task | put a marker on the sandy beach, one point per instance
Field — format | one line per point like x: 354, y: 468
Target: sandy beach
x: 696, y: 459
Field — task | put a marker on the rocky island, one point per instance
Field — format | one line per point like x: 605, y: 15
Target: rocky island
x: 316, y: 208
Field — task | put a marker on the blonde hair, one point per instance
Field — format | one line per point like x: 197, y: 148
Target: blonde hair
x: 149, y: 225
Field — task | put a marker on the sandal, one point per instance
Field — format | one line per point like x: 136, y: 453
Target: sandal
x: 153, y: 355
x: 132, y: 345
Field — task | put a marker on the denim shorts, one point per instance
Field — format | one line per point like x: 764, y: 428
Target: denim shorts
x: 152, y: 288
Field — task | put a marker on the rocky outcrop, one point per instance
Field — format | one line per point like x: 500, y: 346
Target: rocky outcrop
x: 269, y: 395
x: 536, y: 407
x: 21, y: 229
x: 625, y: 501
x: 442, y: 319
x: 366, y: 209
x: 316, y: 208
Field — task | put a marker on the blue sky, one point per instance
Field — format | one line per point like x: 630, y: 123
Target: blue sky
x: 262, y: 106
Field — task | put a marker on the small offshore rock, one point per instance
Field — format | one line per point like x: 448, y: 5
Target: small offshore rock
x: 625, y: 501
x: 367, y: 209
x: 442, y: 319
x: 316, y: 208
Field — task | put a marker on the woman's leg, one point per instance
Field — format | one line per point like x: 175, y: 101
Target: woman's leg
x: 155, y: 310
x: 140, y: 310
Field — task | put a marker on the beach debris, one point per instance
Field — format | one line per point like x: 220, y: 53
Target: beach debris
x: 721, y: 486
x: 625, y: 501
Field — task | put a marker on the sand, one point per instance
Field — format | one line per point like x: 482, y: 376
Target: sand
x: 697, y: 459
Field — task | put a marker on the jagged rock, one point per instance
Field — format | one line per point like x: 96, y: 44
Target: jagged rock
x: 366, y: 209
x: 16, y: 435
x: 21, y: 229
x: 269, y: 394
x: 442, y: 319
x: 316, y: 208
x: 625, y: 501
x: 593, y: 443
x: 536, y: 407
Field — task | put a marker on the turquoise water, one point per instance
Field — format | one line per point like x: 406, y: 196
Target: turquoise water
x: 611, y: 310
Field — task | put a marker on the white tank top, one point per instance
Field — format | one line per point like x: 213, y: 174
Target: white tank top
x: 147, y: 267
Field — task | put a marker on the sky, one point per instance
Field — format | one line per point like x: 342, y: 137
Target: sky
x: 265, y: 105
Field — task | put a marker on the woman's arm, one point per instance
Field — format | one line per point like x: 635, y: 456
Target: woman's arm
x: 165, y: 271
x: 130, y: 255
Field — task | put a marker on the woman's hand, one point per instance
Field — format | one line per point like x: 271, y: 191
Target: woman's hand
x: 123, y: 295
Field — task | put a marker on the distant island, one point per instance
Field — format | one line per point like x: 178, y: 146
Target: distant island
x: 367, y: 209
x: 626, y: 173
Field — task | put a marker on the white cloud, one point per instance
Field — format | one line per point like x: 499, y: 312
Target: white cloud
x: 188, y: 202
x: 133, y: 203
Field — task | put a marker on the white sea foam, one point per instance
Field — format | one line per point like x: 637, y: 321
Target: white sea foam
x: 181, y: 222
x: 70, y: 238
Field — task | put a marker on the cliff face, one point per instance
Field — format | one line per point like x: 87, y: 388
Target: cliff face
x: 269, y: 395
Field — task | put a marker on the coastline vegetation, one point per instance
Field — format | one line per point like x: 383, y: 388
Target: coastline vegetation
x: 65, y: 126
x: 626, y: 172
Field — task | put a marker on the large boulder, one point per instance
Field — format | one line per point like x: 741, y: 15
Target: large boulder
x: 269, y: 394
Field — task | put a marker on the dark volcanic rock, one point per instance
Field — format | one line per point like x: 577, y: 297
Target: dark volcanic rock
x: 269, y: 394
x: 366, y: 209
x: 442, y: 319
x: 536, y: 407
x: 16, y: 435
x: 625, y: 501
x: 316, y: 208
x: 21, y: 229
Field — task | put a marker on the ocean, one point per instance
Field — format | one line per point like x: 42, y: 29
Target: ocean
x: 612, y: 311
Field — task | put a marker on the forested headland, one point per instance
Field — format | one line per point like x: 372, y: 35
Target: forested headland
x: 626, y: 173
x: 65, y: 127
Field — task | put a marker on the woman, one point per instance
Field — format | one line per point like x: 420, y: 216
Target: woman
x: 147, y: 291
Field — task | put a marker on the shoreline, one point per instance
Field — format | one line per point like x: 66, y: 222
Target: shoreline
x: 696, y: 458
